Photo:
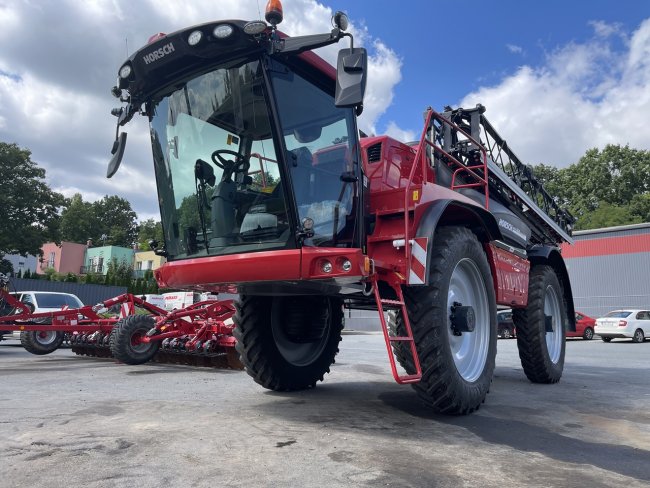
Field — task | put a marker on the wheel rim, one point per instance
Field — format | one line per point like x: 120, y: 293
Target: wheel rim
x: 638, y: 335
x: 45, y: 338
x: 470, y: 349
x: 136, y: 342
x: 296, y: 353
x: 589, y: 333
x: 553, y: 338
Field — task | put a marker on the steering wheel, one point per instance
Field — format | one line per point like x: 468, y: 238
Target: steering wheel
x: 239, y: 165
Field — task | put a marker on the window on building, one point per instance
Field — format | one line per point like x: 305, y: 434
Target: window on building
x: 50, y: 260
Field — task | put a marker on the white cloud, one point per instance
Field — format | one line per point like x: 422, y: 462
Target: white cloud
x: 54, y: 88
x: 513, y: 48
x: 605, y: 29
x: 585, y: 95
x: 400, y: 134
x: 383, y: 74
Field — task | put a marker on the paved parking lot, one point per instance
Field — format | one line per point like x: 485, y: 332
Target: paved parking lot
x: 72, y: 421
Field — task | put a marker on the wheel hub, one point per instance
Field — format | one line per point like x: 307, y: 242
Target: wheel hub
x: 463, y: 318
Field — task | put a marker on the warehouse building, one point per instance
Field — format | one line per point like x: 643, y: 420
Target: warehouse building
x: 610, y: 268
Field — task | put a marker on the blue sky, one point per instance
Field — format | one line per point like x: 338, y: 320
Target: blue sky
x: 557, y: 78
x: 449, y: 49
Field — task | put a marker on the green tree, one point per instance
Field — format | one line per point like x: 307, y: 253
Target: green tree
x: 119, y: 273
x: 30, y: 209
x: 604, y: 188
x: 640, y: 205
x: 118, y: 221
x: 78, y: 221
x: 109, y: 221
x: 71, y: 278
x: 50, y: 274
x: 607, y: 215
x: 6, y: 267
x: 147, y: 230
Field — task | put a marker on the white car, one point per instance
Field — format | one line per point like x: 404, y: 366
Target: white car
x: 634, y: 324
x: 46, y: 301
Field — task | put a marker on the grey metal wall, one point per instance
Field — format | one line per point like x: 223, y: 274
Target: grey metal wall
x: 601, y: 284
x: 88, y: 294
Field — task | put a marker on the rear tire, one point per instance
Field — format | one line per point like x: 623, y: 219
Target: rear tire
x: 288, y: 343
x: 41, y: 342
x: 638, y: 336
x: 606, y: 339
x: 588, y: 334
x: 457, y: 370
x: 124, y: 340
x: 542, y: 353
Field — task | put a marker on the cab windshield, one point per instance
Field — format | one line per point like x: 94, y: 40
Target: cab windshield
x: 222, y: 187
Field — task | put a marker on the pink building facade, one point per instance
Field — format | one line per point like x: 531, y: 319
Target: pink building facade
x: 67, y: 257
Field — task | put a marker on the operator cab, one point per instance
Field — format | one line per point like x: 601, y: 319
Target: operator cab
x: 232, y: 181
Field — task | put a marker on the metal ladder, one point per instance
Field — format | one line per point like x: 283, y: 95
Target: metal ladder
x: 407, y: 378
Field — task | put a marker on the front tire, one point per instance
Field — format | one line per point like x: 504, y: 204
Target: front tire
x: 606, y: 339
x: 41, y: 342
x: 457, y: 368
x: 588, y: 334
x: 541, y: 352
x: 288, y: 343
x: 125, y: 340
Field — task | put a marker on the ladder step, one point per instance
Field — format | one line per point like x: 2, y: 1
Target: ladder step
x: 401, y: 379
x: 408, y: 378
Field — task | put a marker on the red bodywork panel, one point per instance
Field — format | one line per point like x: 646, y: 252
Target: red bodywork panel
x: 389, y: 176
x: 391, y: 170
x: 283, y: 265
x: 510, y: 275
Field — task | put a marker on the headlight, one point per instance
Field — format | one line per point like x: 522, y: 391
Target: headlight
x: 255, y: 27
x: 195, y: 37
x: 125, y: 71
x: 222, y: 31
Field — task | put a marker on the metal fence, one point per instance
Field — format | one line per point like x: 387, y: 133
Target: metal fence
x: 88, y: 294
x: 598, y: 306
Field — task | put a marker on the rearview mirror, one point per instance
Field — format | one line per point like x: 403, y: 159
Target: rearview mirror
x: 117, y: 151
x: 351, y: 71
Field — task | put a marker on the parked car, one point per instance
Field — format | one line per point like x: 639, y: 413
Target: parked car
x: 46, y: 301
x: 634, y: 324
x: 505, y: 325
x: 584, y: 327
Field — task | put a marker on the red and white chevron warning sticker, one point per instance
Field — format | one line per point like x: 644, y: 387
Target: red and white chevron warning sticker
x: 418, y: 266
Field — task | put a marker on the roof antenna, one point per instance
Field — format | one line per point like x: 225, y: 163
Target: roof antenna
x: 259, y: 12
x: 126, y: 41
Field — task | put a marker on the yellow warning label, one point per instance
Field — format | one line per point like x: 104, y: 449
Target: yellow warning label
x: 229, y: 140
x: 416, y: 195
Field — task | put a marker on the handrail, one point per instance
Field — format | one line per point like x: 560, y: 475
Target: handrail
x: 420, y: 160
